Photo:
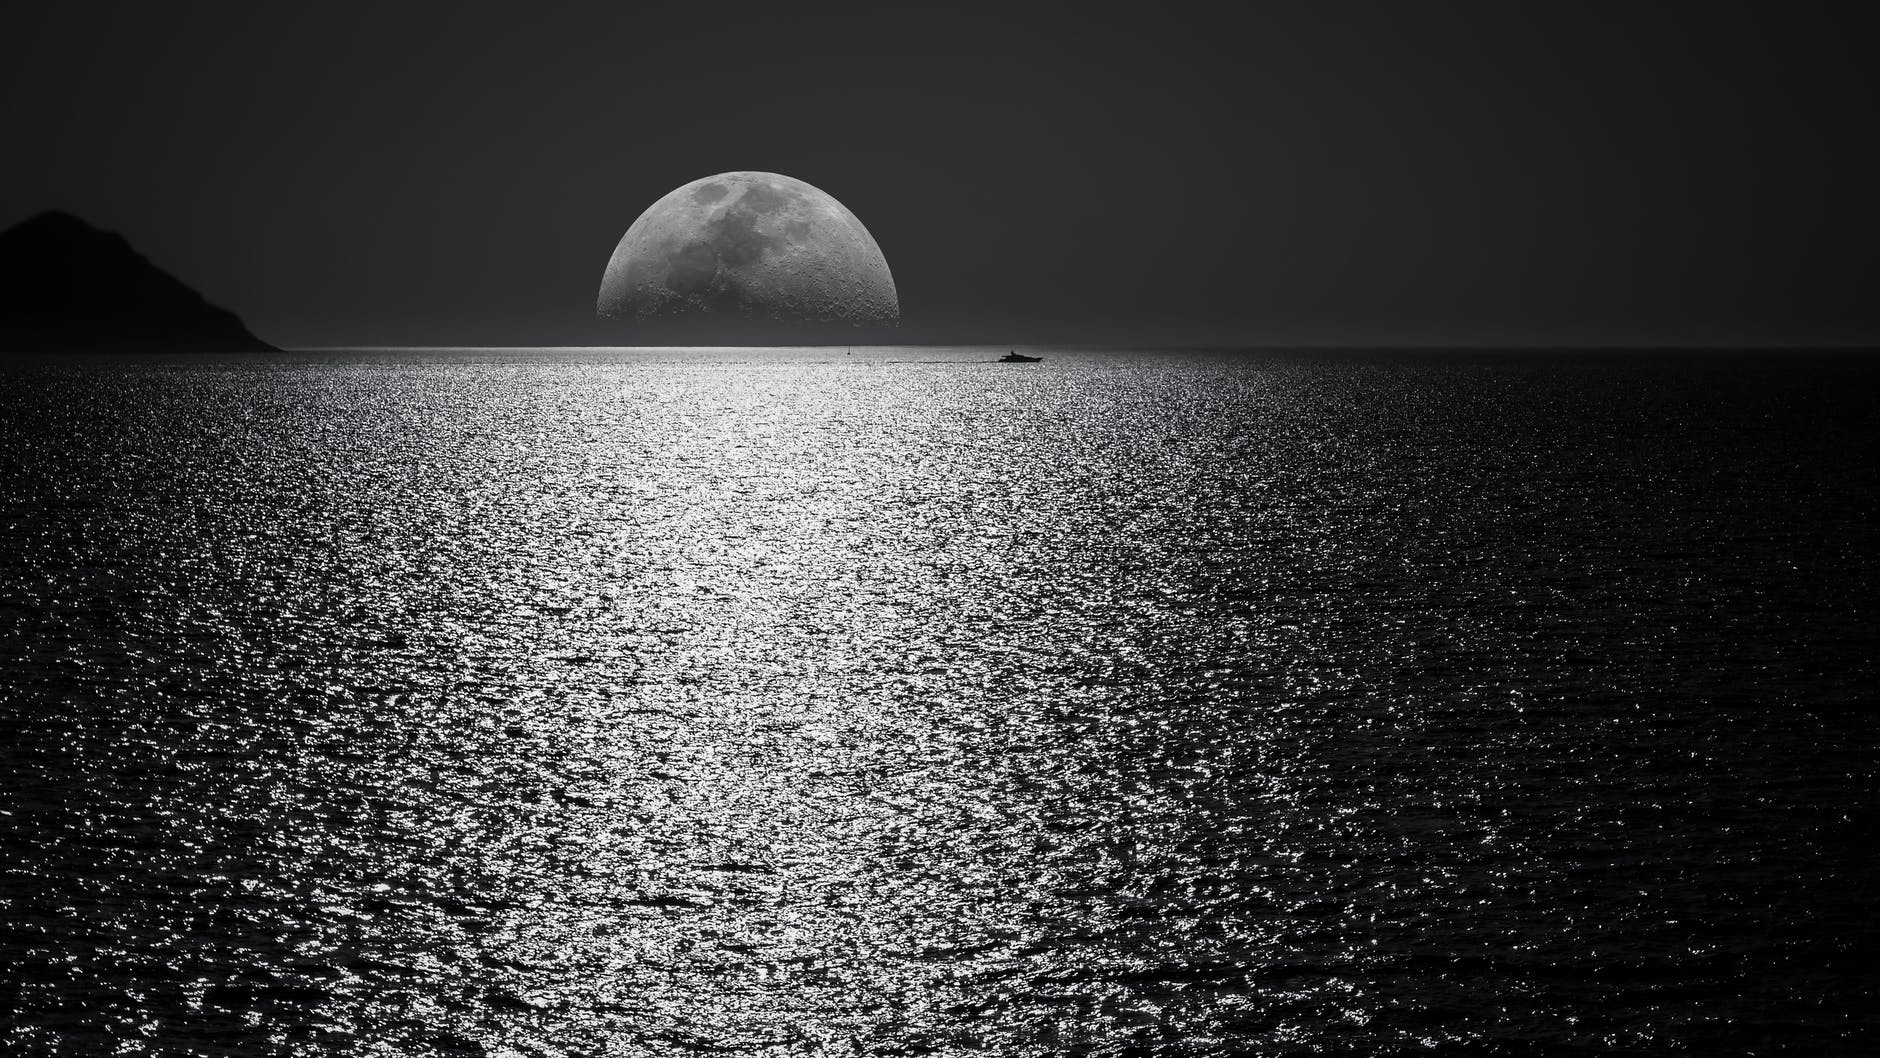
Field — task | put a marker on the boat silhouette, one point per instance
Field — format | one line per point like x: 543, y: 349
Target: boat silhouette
x: 1012, y: 357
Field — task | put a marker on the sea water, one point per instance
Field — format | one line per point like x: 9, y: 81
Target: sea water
x: 895, y: 701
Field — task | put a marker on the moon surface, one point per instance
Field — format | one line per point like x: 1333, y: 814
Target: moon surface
x: 750, y: 245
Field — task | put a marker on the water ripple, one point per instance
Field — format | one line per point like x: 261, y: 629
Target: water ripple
x: 768, y: 704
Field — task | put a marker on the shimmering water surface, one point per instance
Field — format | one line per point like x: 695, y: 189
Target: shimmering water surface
x: 899, y: 703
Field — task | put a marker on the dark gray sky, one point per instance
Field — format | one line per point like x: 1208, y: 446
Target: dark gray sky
x: 1306, y: 172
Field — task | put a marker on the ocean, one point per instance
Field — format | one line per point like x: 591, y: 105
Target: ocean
x: 898, y: 702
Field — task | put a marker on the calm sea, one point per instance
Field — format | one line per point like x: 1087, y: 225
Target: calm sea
x: 589, y: 703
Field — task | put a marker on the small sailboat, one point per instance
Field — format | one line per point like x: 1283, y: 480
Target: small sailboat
x: 1015, y: 357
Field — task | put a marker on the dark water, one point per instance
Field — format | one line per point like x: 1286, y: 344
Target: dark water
x: 776, y: 704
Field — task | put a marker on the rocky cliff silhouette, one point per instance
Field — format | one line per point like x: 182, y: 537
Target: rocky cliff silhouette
x: 66, y: 286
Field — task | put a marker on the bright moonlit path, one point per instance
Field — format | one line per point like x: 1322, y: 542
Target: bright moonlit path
x: 762, y: 702
x: 766, y: 685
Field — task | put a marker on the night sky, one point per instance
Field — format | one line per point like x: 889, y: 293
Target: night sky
x: 1340, y: 173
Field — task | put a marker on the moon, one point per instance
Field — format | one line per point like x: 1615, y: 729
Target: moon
x: 749, y: 245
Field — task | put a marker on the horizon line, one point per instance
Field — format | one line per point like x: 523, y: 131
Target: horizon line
x: 1420, y: 346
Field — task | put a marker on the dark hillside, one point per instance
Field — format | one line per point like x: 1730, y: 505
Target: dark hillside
x: 66, y: 286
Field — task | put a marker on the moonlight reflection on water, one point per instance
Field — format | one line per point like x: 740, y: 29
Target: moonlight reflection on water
x: 628, y: 704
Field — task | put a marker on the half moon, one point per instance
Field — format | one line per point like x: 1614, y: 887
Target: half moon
x: 750, y: 246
